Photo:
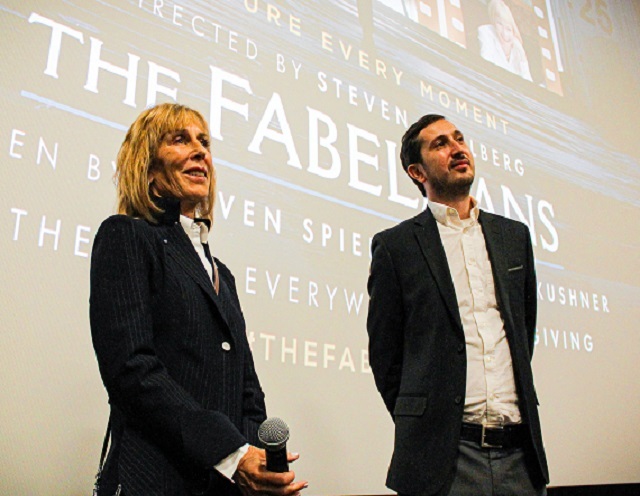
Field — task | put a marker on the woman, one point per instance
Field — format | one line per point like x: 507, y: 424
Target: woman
x: 167, y: 327
x: 500, y: 41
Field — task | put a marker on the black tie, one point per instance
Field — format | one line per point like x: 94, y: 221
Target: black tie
x: 207, y: 253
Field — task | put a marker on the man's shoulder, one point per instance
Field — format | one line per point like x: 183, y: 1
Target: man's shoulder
x: 502, y: 221
x: 484, y: 215
x: 404, y: 227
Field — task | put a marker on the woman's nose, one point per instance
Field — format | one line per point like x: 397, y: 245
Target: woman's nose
x: 199, y: 148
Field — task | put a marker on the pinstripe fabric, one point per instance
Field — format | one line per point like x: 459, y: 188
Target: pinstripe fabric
x: 179, y: 401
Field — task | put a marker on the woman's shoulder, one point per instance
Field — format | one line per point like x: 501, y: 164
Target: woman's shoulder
x: 487, y: 32
x: 120, y: 220
x: 125, y: 226
x: 123, y: 237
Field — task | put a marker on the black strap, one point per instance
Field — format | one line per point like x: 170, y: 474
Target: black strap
x: 205, y: 246
x: 207, y: 253
x: 103, y: 454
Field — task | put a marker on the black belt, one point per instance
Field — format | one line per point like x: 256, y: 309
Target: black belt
x: 494, y: 436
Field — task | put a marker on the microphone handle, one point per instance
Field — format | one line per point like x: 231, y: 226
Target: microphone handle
x: 277, y: 460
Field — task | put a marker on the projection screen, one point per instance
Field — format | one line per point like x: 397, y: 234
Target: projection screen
x: 307, y: 102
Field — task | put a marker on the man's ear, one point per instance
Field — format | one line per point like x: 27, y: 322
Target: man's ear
x: 416, y: 172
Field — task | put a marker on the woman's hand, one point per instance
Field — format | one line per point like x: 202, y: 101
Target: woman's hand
x: 254, y: 479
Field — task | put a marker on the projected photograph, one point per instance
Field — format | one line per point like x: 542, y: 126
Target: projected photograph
x: 516, y: 35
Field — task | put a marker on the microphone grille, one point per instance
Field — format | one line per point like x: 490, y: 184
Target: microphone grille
x: 273, y: 432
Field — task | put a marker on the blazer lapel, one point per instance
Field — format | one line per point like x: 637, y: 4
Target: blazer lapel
x: 428, y: 236
x: 497, y: 249
x: 179, y: 248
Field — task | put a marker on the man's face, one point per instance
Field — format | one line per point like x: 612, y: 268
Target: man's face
x: 447, y: 170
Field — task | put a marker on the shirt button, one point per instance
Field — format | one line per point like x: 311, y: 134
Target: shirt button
x: 458, y: 400
x: 226, y: 346
x: 460, y: 348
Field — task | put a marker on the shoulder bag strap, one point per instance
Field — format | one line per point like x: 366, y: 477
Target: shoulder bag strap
x: 105, y: 446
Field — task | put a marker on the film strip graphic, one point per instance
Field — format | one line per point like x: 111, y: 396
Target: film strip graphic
x: 446, y: 18
x: 443, y: 17
x: 547, y: 48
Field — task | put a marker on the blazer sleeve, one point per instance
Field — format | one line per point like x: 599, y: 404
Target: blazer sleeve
x: 253, y: 408
x: 385, y: 322
x: 124, y: 267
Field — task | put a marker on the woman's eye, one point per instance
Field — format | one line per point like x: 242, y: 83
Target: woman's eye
x: 205, y: 142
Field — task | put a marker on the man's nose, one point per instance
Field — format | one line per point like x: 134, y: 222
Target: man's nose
x: 457, y: 147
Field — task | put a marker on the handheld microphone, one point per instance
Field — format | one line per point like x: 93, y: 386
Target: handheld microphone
x: 274, y: 434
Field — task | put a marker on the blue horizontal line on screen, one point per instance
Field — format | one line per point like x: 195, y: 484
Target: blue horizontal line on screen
x: 71, y: 110
x: 306, y: 191
x: 236, y: 167
x: 549, y: 264
x: 239, y: 168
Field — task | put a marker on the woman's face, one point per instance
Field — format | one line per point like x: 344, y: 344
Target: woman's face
x: 504, y: 30
x: 183, y: 167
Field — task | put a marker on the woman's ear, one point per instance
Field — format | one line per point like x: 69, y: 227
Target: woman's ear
x: 151, y: 175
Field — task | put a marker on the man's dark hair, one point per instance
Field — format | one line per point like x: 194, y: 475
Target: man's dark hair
x: 411, y: 144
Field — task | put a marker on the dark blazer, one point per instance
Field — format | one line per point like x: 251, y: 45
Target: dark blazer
x: 173, y: 357
x: 417, y: 346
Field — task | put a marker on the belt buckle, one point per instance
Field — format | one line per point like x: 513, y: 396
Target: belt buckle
x: 483, y: 442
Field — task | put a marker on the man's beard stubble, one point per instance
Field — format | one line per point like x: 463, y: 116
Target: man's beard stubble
x: 452, y: 190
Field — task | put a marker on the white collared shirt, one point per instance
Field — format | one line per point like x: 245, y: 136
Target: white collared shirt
x: 491, y: 391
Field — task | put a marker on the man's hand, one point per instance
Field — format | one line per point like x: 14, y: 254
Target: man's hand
x: 253, y: 478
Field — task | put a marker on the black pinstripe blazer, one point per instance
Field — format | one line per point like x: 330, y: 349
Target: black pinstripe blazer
x: 175, y: 361
x: 417, y: 345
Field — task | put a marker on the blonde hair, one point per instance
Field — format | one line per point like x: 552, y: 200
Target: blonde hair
x: 498, y: 9
x: 138, y: 154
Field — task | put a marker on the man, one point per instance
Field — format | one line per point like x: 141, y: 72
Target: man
x: 451, y: 325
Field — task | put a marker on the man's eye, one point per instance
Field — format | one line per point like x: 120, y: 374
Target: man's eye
x: 205, y: 142
x: 178, y: 138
